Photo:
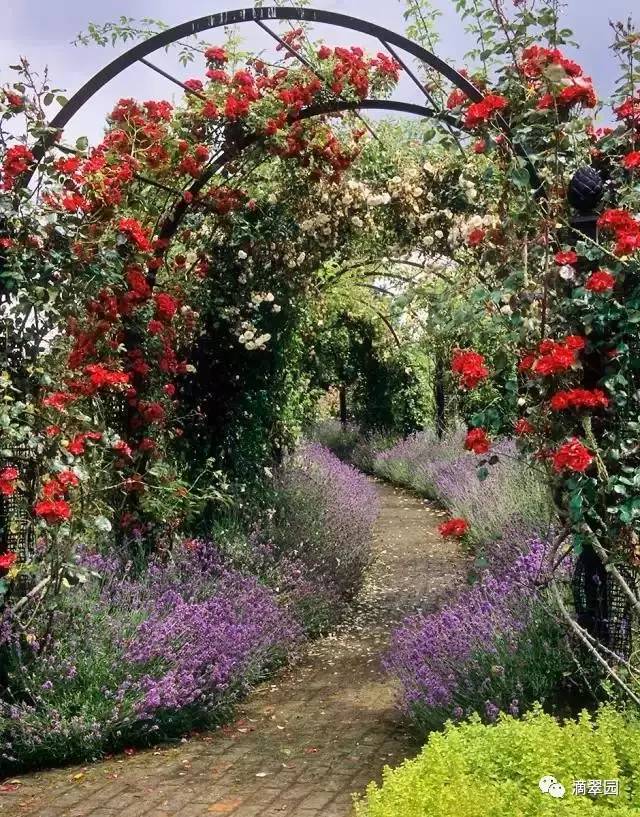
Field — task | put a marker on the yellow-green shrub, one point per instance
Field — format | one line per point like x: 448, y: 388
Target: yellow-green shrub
x: 473, y: 770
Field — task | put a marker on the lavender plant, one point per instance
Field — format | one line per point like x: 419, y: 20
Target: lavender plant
x: 493, y: 649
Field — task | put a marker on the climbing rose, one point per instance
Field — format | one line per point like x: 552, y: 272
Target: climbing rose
x: 16, y: 162
x: 216, y: 54
x: 578, y: 398
x: 57, y: 400
x: 562, y: 258
x: 522, y: 427
x: 477, y: 440
x: 454, y: 527
x: 53, y: 511
x: 8, y: 559
x: 572, y: 456
x: 600, y: 281
x: 553, y: 356
x: 632, y: 160
x: 166, y: 306
x: 135, y: 232
x: 8, y: 476
x: 470, y: 366
x: 480, y: 112
x: 67, y: 478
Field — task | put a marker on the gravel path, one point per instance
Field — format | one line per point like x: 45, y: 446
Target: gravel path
x: 303, y: 743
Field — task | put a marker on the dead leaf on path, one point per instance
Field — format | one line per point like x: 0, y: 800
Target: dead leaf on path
x: 8, y: 788
x: 78, y: 776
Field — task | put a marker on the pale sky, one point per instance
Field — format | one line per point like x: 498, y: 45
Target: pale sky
x: 42, y: 30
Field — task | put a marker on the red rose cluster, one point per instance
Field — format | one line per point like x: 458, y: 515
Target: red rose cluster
x: 477, y: 440
x: 552, y: 356
x: 579, y: 398
x: 54, y: 507
x: 600, y: 281
x: 479, y: 113
x: 16, y: 162
x: 470, y: 367
x: 8, y: 477
x: 572, y: 456
x: 454, y: 527
x: 632, y: 160
x: 7, y: 560
x: 629, y: 111
x: 576, y: 88
x: 625, y: 228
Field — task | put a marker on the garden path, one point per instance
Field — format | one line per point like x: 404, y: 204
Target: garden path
x: 303, y: 742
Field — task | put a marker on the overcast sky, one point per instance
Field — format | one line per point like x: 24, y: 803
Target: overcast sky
x: 42, y: 31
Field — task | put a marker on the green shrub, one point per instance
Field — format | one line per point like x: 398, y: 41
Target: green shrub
x: 473, y: 770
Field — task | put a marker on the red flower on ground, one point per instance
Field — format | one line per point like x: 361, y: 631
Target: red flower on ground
x: 470, y: 366
x: 52, y: 511
x: 477, y: 440
x: 454, y: 527
x: 572, y: 456
x: 600, y: 281
x: 8, y: 559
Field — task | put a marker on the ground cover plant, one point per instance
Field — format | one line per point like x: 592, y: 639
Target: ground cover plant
x: 473, y: 770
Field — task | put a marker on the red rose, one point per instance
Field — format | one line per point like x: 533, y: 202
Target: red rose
x: 572, y: 456
x: 477, y: 440
x: 470, y: 366
x: 53, y: 511
x: 7, y: 559
x: 568, y: 257
x: 216, y: 54
x: 476, y: 237
x: 8, y: 476
x: 67, y: 478
x: 600, y: 281
x: 632, y: 160
x: 578, y: 398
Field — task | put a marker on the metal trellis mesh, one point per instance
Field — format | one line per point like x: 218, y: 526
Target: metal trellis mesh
x: 16, y: 521
x: 601, y: 605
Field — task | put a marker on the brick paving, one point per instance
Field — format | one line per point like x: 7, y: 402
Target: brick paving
x: 303, y: 743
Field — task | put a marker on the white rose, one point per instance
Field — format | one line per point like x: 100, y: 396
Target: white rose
x: 242, y: 255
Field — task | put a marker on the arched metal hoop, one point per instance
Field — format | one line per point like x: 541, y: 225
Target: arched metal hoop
x: 389, y: 40
x: 258, y: 15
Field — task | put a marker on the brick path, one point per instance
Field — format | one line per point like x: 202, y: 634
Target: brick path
x: 303, y: 743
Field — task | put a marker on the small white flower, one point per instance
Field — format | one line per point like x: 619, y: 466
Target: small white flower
x: 242, y: 255
x: 439, y: 234
x: 567, y: 272
x: 276, y: 308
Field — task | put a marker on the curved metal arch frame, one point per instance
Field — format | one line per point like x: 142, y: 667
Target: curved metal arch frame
x: 257, y: 15
x: 386, y: 37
